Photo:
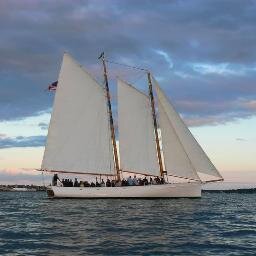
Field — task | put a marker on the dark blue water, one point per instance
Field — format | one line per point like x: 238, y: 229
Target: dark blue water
x: 216, y: 224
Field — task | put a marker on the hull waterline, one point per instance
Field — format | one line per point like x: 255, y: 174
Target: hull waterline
x: 175, y: 190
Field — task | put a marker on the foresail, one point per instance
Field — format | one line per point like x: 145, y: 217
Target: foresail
x: 199, y: 160
x: 176, y: 160
x: 136, y: 135
x: 79, y: 138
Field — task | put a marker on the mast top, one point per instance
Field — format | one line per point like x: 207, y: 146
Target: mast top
x: 102, y: 56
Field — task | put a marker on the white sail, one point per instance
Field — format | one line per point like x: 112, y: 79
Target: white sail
x: 176, y: 160
x: 136, y: 134
x: 197, y: 157
x: 79, y: 137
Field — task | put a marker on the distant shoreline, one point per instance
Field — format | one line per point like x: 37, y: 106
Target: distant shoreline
x: 238, y: 190
x: 21, y: 188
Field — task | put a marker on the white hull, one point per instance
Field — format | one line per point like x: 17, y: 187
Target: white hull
x: 174, y: 190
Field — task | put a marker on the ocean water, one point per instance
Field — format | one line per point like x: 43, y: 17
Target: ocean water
x: 216, y: 224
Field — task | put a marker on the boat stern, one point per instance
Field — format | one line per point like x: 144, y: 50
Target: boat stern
x: 50, y: 192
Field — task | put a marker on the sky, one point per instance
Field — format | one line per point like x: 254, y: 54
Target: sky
x: 202, y: 52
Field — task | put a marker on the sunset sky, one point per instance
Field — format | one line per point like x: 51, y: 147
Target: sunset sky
x: 202, y: 52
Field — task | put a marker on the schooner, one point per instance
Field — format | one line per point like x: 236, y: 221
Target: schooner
x: 82, y: 138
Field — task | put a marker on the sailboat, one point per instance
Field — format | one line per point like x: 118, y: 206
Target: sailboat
x: 82, y: 139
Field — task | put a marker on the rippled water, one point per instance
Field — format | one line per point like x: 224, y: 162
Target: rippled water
x: 216, y: 224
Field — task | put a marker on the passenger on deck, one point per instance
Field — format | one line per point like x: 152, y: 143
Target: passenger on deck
x: 108, y: 183
x: 140, y: 182
x: 145, y: 181
x: 81, y: 184
x: 162, y: 180
x: 158, y: 180
x: 86, y: 184
x: 118, y: 183
x: 129, y: 181
x: 113, y: 183
x: 76, y: 183
x: 151, y: 181
x: 92, y: 184
x: 135, y: 181
x: 55, y: 179
x: 123, y: 183
x: 97, y: 183
x: 102, y: 184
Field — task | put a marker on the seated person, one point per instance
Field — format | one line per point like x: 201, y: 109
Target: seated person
x: 102, y: 184
x: 86, y: 184
x: 145, y: 181
x: 135, y: 181
x: 113, y: 183
x: 129, y: 181
x: 123, y: 183
x: 108, y: 183
x: 140, y: 182
x: 157, y: 180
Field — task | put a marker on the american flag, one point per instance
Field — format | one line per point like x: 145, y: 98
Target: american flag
x: 53, y: 86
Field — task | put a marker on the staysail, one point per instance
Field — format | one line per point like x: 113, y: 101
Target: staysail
x: 176, y: 160
x: 136, y: 135
x: 79, y: 138
x: 193, y: 155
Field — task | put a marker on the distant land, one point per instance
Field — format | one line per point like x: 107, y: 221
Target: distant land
x: 21, y: 188
x: 229, y: 185
x: 239, y: 190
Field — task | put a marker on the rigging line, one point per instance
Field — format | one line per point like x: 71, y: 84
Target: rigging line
x: 125, y: 65
x: 137, y: 79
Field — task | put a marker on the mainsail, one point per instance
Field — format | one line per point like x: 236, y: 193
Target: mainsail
x: 136, y: 135
x: 181, y: 150
x: 79, y: 138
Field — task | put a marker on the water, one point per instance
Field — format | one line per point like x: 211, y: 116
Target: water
x: 216, y: 224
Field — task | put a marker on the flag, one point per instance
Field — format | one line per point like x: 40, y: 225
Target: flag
x: 53, y: 86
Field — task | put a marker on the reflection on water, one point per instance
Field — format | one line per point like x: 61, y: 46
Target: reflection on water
x: 217, y: 224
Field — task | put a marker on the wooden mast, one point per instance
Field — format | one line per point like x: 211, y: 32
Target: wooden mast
x: 113, y: 137
x: 151, y: 96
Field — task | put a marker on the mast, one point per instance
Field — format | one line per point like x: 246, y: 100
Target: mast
x: 113, y: 137
x: 151, y: 96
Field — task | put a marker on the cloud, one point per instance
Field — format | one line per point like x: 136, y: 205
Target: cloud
x: 209, y: 46
x: 241, y: 139
x: 223, y: 69
x: 43, y: 126
x: 20, y: 141
x: 21, y: 176
x: 166, y: 57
